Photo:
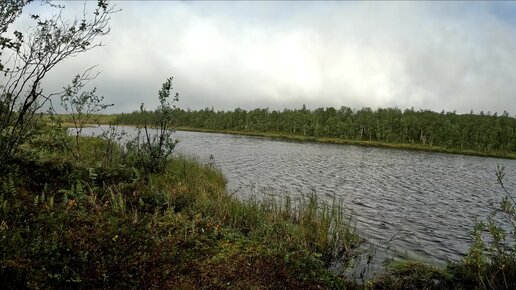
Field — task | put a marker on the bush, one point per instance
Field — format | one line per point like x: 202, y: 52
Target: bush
x: 151, y: 151
x: 491, y: 260
x: 69, y: 224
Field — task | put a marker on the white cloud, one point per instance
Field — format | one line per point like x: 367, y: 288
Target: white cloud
x: 453, y: 56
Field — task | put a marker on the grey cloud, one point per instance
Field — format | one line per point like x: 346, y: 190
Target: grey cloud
x: 452, y: 56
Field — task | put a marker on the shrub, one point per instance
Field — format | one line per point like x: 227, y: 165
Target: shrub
x: 153, y: 145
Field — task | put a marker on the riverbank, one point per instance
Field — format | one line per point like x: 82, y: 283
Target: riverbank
x: 112, y: 119
x: 101, y: 222
x: 402, y: 146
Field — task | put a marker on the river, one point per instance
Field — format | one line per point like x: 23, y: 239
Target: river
x: 406, y: 203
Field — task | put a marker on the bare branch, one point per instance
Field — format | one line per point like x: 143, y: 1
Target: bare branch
x: 35, y: 53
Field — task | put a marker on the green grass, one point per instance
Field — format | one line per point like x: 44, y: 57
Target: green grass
x: 94, y: 223
x: 413, y: 274
x: 101, y: 222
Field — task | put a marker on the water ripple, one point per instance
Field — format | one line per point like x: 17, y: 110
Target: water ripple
x: 427, y: 201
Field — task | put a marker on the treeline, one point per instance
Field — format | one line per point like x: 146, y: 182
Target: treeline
x: 485, y: 133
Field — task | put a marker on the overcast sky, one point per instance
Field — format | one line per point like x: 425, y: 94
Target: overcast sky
x: 427, y: 55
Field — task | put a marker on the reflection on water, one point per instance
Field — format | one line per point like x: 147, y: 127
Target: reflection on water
x: 427, y: 201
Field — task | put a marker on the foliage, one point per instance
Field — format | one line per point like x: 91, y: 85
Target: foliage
x: 180, y: 229
x: 71, y: 224
x: 130, y: 216
x: 154, y: 148
x: 489, y: 264
x: 9, y: 11
x: 31, y: 57
x: 113, y: 136
x: 483, y: 133
x: 411, y: 274
x: 49, y: 139
x: 81, y: 105
x: 105, y: 216
x: 492, y: 258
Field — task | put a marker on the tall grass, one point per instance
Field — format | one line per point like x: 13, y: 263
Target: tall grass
x: 103, y: 222
x: 100, y: 223
x: 314, y: 225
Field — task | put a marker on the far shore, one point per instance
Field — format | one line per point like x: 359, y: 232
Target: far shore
x: 300, y: 138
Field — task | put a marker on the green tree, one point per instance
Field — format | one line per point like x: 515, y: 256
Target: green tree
x: 30, y: 57
x: 81, y: 105
x: 154, y: 148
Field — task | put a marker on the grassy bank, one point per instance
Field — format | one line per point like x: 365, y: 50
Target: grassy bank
x: 98, y: 220
x: 111, y: 119
x: 98, y: 223
x: 403, y: 146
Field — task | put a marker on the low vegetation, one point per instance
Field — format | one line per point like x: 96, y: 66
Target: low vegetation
x: 127, y: 215
x: 483, y: 134
x: 96, y: 213
x: 404, y: 146
x: 102, y: 223
x: 105, y: 222
x: 489, y: 264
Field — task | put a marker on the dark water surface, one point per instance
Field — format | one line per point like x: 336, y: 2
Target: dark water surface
x: 427, y: 202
